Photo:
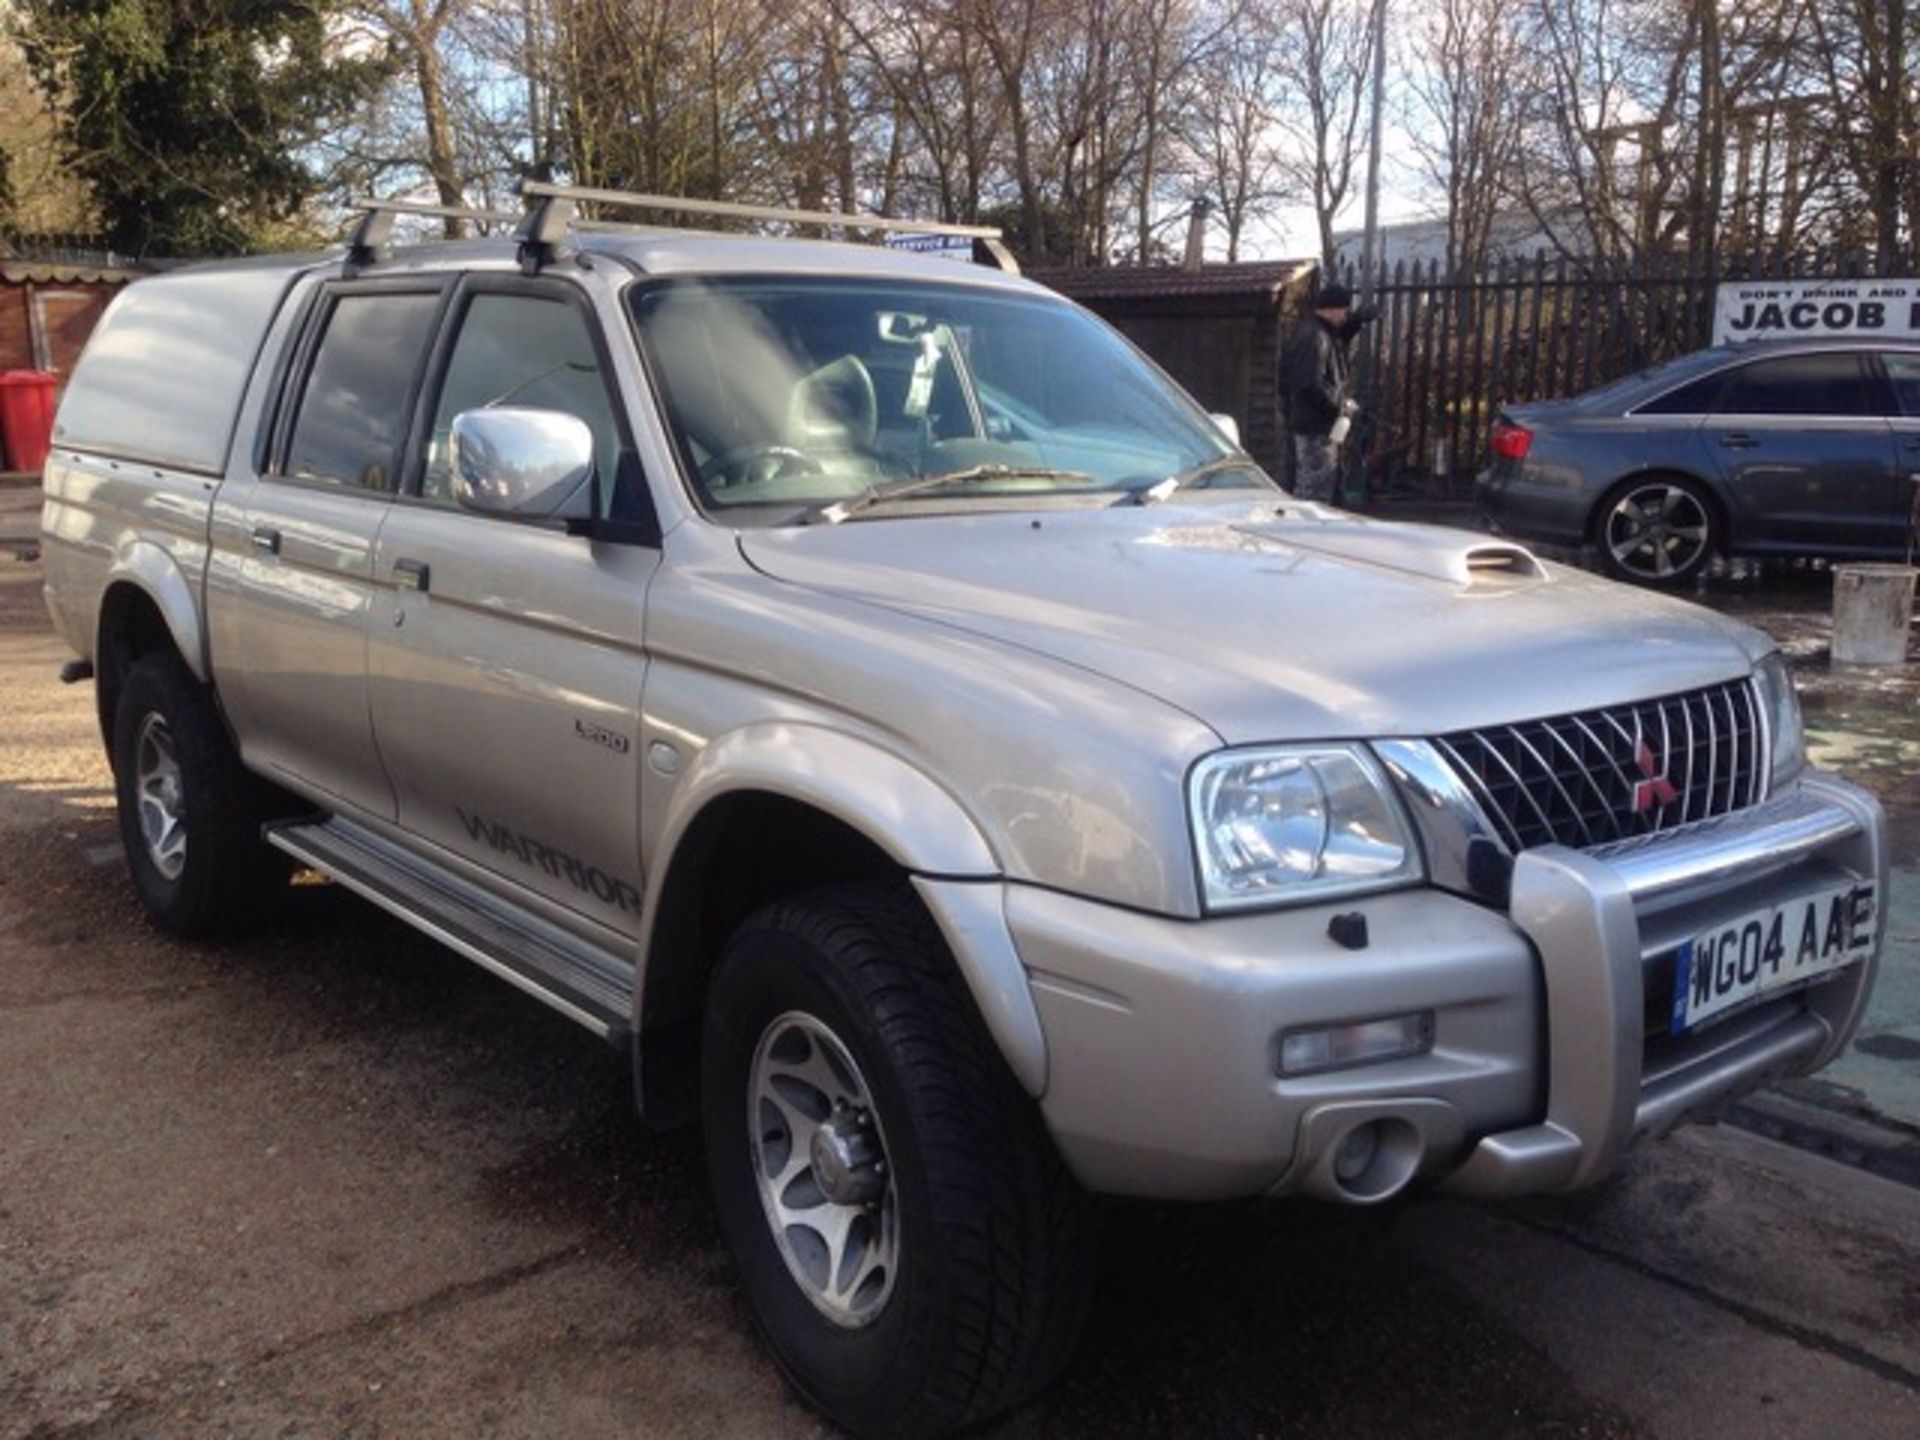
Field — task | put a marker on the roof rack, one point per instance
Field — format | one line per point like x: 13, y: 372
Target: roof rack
x: 557, y: 209
x: 375, y: 228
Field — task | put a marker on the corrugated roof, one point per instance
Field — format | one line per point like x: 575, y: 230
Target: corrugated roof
x: 1261, y: 278
x: 54, y: 272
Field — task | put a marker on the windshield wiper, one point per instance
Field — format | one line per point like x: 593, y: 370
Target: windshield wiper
x: 1166, y: 489
x: 919, y: 484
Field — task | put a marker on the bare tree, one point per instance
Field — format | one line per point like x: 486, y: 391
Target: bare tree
x: 415, y: 30
x: 943, y: 113
x: 1469, y: 61
x: 1661, y: 125
x: 1325, y: 62
x: 812, y: 114
x: 1168, y: 40
x: 1230, y: 133
x: 1079, y: 116
x: 1866, y: 51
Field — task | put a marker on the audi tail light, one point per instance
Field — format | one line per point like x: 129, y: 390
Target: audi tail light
x: 1510, y: 441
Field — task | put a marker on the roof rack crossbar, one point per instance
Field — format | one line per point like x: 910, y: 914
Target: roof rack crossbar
x: 985, y: 237
x: 422, y: 207
x: 374, y: 229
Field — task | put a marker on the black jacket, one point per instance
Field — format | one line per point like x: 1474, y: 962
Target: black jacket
x: 1313, y: 374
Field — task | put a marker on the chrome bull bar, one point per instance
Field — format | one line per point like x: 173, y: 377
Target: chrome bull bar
x: 1585, y: 912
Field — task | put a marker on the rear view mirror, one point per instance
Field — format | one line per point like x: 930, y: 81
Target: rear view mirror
x: 902, y: 328
x: 1227, y: 426
x: 522, y: 463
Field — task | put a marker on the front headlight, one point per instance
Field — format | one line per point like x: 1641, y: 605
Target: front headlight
x: 1290, y: 823
x: 1781, y: 708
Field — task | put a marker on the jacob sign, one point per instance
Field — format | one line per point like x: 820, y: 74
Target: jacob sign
x: 1789, y: 309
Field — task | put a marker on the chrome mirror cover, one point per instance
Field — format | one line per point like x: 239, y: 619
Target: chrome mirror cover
x: 527, y: 463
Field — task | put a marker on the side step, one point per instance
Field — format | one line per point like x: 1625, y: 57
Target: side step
x: 581, y: 980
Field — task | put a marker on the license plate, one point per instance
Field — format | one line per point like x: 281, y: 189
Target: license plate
x: 1778, y: 948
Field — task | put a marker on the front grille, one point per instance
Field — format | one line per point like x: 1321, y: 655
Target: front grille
x: 1608, y: 775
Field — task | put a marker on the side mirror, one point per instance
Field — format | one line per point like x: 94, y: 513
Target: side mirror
x: 521, y: 463
x: 1227, y: 426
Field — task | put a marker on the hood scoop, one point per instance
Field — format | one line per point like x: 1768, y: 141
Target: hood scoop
x: 1498, y: 561
x: 1433, y: 552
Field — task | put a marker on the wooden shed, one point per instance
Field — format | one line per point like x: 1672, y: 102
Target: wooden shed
x: 49, y: 308
x: 1216, y: 329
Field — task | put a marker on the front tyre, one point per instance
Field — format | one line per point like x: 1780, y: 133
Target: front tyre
x: 190, y: 815
x: 912, y: 1246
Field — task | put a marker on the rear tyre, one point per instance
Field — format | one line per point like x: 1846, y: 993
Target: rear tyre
x: 912, y: 1246
x: 190, y: 815
x: 1657, y: 530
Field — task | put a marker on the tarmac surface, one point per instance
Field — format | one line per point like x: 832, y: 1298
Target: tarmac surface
x: 333, y: 1181
x: 1865, y: 723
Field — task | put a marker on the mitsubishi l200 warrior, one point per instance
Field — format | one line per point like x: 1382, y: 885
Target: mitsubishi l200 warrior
x: 865, y: 690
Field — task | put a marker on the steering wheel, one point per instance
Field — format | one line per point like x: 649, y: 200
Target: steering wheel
x: 746, y: 457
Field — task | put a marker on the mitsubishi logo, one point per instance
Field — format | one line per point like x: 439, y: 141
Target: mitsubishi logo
x: 1655, y: 789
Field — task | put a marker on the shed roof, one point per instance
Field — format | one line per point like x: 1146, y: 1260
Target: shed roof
x: 60, y: 272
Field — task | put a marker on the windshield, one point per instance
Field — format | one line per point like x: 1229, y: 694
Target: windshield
x: 788, y: 397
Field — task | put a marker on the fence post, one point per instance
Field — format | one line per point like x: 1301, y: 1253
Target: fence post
x: 1392, y: 324
x: 1496, y: 373
x: 1467, y: 460
x: 1448, y: 373
x: 1406, y: 414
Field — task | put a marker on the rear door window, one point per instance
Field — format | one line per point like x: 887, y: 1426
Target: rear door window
x: 1800, y: 385
x: 1903, y: 370
x: 1694, y: 399
x: 354, y: 408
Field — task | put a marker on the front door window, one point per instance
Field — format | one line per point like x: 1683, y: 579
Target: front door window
x: 527, y: 351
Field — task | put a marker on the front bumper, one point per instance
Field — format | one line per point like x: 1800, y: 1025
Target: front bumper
x: 1162, y: 1035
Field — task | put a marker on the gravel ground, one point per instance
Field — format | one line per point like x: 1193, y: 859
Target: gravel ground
x: 331, y: 1180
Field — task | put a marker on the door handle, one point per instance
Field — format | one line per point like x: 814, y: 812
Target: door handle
x: 1738, y: 440
x: 267, y: 539
x: 410, y: 574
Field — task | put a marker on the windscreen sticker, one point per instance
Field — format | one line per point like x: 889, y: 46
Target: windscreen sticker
x: 555, y: 862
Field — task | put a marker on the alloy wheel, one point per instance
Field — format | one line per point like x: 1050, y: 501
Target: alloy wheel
x: 161, y: 794
x: 1658, y: 531
x: 820, y: 1162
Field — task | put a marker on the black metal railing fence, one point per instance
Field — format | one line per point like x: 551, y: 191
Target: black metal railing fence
x: 1451, y: 347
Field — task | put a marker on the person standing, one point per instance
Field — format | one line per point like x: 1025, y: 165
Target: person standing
x: 1314, y: 379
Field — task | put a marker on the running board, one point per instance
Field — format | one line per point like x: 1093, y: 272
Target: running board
x: 584, y: 982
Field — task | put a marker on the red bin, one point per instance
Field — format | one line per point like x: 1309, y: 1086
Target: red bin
x: 26, y: 416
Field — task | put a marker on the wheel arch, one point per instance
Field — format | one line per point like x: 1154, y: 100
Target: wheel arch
x: 1709, y: 484
x: 147, y: 606
x: 766, y: 815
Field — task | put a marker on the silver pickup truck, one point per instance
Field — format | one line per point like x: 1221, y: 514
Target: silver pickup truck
x: 863, y: 689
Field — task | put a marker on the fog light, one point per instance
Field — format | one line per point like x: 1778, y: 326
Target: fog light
x: 1364, y: 1042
